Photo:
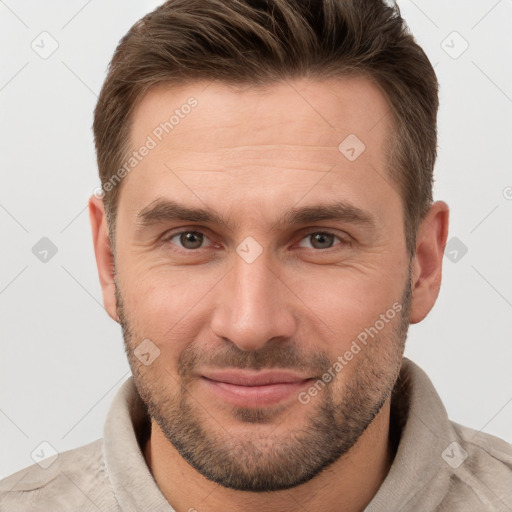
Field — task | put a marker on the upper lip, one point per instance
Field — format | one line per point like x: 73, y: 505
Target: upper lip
x: 254, y: 378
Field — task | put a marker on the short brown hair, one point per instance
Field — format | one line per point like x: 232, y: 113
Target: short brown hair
x: 258, y: 42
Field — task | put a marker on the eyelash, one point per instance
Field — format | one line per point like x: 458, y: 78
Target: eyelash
x: 167, y: 240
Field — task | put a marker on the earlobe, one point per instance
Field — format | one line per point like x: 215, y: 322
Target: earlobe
x: 104, y: 254
x: 428, y: 261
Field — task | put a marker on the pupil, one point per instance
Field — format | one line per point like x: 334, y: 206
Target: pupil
x: 320, y: 239
x: 191, y: 240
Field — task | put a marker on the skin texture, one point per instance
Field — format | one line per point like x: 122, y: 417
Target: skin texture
x: 251, y: 155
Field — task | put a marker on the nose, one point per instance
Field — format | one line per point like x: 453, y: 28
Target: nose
x: 254, y: 306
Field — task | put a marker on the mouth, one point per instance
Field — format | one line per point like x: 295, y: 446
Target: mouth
x: 254, y: 389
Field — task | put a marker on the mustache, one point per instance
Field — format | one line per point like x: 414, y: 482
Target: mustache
x: 280, y: 356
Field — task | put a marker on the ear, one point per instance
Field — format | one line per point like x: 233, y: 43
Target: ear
x: 428, y: 261
x: 104, y: 254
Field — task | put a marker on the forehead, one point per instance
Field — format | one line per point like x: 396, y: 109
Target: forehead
x: 275, y: 142
x: 299, y: 111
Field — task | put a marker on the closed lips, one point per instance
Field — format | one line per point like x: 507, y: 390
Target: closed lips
x: 245, y: 378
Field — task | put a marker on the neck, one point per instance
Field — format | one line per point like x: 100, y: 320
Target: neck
x: 352, y: 480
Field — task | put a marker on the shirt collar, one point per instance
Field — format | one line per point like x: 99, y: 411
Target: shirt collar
x: 132, y: 482
x: 424, y: 430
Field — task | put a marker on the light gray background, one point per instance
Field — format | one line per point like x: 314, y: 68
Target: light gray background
x: 62, y: 357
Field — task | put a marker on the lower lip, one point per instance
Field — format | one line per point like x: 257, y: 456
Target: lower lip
x: 255, y: 396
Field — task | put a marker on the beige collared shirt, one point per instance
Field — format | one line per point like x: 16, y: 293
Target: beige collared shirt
x: 439, y: 465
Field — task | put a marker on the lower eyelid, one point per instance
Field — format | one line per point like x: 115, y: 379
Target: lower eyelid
x: 341, y: 239
x: 168, y: 238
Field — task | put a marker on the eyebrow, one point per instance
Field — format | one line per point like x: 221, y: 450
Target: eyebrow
x: 164, y: 210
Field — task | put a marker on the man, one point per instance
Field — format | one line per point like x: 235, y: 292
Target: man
x: 265, y: 234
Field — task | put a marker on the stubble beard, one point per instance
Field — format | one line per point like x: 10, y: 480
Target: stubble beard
x: 270, y: 462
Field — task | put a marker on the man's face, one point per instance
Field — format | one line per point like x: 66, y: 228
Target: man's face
x: 269, y: 281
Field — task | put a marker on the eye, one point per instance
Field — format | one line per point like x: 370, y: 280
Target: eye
x: 188, y: 239
x: 320, y: 240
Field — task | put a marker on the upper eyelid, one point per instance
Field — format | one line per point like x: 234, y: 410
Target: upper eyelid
x: 171, y: 234
x: 324, y: 232
x: 344, y: 239
x: 167, y: 237
x: 305, y: 232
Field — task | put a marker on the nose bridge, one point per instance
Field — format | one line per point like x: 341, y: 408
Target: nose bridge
x: 252, y: 308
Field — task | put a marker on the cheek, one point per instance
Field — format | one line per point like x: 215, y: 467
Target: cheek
x: 341, y: 303
x: 166, y: 305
